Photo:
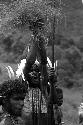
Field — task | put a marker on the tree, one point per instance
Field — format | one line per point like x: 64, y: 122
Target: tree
x: 80, y: 44
x: 7, y: 42
x: 74, y: 56
x: 65, y: 69
x: 18, y: 48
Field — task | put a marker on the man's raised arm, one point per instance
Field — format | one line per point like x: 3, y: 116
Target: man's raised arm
x: 30, y: 59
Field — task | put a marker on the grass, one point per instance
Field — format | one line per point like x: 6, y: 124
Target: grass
x: 72, y: 98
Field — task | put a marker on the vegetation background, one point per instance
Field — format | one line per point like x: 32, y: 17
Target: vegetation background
x: 68, y: 52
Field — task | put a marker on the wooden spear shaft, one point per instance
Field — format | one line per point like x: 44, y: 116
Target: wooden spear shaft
x: 52, y: 85
x: 53, y: 40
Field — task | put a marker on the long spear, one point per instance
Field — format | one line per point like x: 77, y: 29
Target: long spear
x: 50, y: 103
x: 52, y: 84
x: 53, y: 40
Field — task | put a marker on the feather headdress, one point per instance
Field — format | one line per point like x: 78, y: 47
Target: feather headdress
x: 10, y: 72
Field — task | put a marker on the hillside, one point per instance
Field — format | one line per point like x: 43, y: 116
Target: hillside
x: 74, y: 18
x: 68, y: 45
x: 67, y: 51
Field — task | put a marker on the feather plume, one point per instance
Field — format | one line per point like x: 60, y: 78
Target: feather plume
x: 19, y: 71
x: 10, y: 72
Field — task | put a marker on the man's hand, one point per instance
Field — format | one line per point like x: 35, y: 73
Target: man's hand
x: 52, y: 75
x: 58, y: 93
x: 41, y: 49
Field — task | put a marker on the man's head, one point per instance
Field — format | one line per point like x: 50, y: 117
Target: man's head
x: 13, y: 93
x: 16, y: 103
x: 34, y: 76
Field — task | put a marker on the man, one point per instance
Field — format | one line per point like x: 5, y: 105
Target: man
x: 12, y: 95
x: 37, y: 50
x: 35, y: 82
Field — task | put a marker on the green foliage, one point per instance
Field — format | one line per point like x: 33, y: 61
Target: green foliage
x: 65, y: 72
x: 60, y: 40
x: 80, y: 82
x: 65, y: 43
x: 69, y: 83
x: 58, y: 52
x: 20, y: 15
x: 12, y: 47
x: 0, y: 71
x: 66, y: 66
x: 18, y: 48
x: 71, y: 42
x: 8, y: 57
x: 74, y: 56
x: 7, y: 42
x: 80, y: 44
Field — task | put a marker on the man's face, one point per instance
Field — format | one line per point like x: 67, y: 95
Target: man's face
x: 17, y: 103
